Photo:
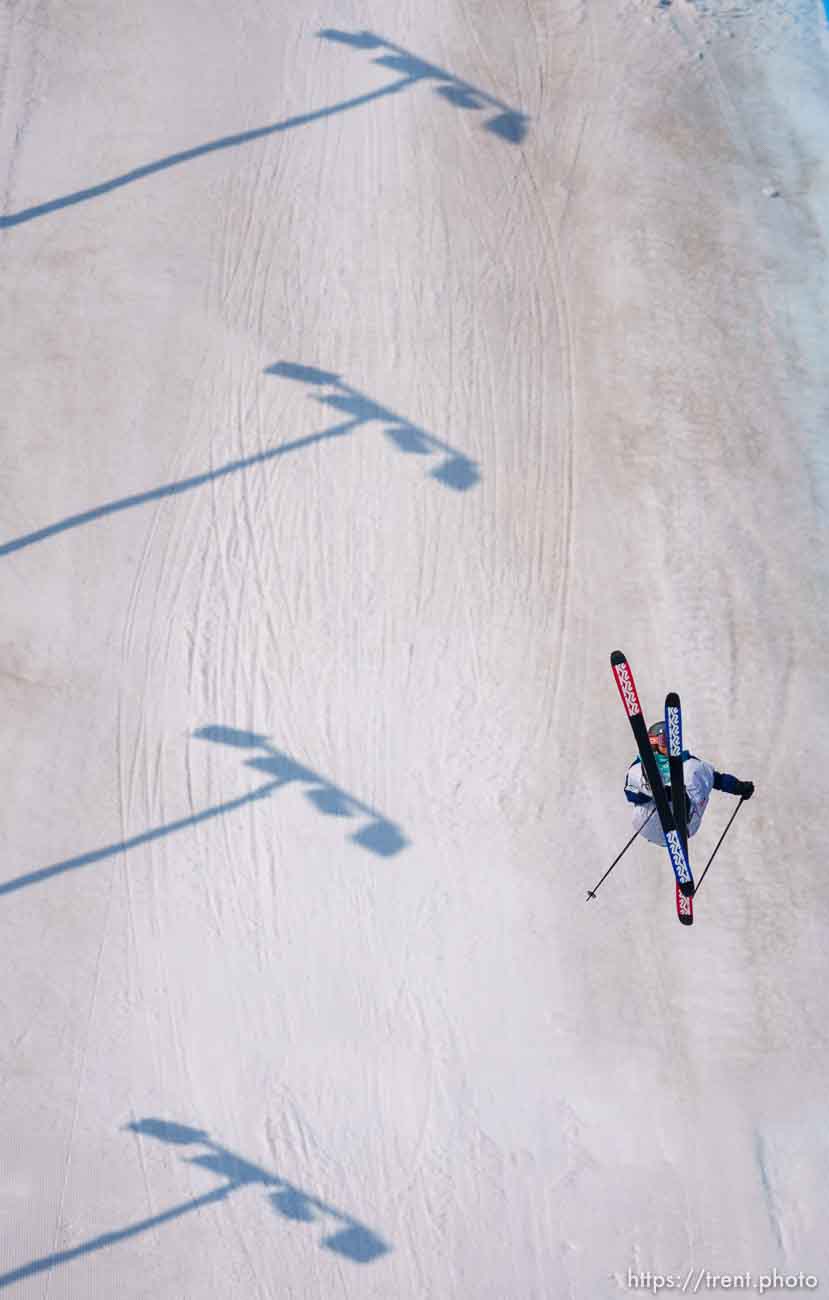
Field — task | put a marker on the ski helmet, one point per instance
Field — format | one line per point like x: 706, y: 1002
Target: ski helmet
x: 658, y: 737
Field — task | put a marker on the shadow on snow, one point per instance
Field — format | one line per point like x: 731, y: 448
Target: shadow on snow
x: 380, y: 835
x: 348, y: 1237
x: 508, y: 124
x: 456, y: 471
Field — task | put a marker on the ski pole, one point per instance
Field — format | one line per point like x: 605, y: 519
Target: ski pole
x: 591, y: 893
x: 719, y: 842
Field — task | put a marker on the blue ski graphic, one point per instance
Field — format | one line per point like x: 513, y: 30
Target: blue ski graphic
x: 673, y: 842
x: 673, y: 734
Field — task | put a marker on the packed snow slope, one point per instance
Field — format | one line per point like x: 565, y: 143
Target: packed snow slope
x: 371, y: 371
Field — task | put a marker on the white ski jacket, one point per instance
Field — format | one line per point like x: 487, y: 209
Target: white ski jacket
x: 700, y: 779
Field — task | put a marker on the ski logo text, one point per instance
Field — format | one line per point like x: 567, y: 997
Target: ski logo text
x: 674, y: 733
x: 680, y: 864
x: 626, y: 689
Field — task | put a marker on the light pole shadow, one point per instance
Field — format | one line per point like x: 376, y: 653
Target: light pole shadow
x: 455, y: 470
x: 381, y: 835
x: 349, y: 1237
x: 346, y: 1235
x: 508, y: 123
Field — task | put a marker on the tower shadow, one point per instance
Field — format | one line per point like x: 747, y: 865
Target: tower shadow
x: 346, y: 1236
x: 455, y: 470
x: 508, y: 123
x: 381, y: 836
x: 189, y: 155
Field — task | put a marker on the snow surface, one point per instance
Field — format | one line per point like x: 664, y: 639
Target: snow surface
x: 346, y: 349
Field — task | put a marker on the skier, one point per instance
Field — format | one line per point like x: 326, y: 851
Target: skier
x: 700, y: 779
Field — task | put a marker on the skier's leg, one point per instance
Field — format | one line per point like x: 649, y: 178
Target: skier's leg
x: 650, y: 829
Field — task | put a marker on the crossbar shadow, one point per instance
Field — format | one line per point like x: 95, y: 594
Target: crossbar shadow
x: 347, y: 1237
x: 381, y: 836
x: 509, y: 124
x: 456, y: 471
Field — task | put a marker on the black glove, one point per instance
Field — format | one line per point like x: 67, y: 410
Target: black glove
x: 745, y: 789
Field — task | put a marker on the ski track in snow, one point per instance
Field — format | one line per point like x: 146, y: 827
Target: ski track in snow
x: 401, y: 308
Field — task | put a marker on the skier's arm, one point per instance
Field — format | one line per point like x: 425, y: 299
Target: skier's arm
x: 636, y: 796
x: 731, y: 785
x: 633, y: 786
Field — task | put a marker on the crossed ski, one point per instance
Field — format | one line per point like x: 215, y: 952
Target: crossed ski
x: 671, y: 815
